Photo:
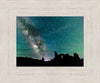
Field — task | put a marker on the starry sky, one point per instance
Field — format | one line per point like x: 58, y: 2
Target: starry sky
x: 39, y: 36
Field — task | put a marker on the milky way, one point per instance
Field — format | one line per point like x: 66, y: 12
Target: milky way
x: 33, y: 39
x: 39, y: 36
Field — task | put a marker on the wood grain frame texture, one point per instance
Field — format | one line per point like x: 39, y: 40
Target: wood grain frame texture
x: 9, y: 73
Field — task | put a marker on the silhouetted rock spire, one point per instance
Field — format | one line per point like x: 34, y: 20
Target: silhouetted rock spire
x: 56, y: 54
x: 43, y: 59
x: 76, y: 56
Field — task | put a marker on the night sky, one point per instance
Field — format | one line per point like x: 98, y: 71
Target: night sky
x: 39, y: 37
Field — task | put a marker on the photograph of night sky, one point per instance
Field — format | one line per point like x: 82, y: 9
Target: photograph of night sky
x: 48, y: 41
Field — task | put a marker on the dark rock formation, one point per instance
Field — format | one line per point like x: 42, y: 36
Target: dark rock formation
x: 58, y: 60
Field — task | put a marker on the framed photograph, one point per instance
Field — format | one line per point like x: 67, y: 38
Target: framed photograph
x: 44, y: 41
x: 40, y: 37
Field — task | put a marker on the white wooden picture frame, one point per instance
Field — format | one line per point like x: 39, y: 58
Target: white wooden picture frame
x: 9, y: 73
